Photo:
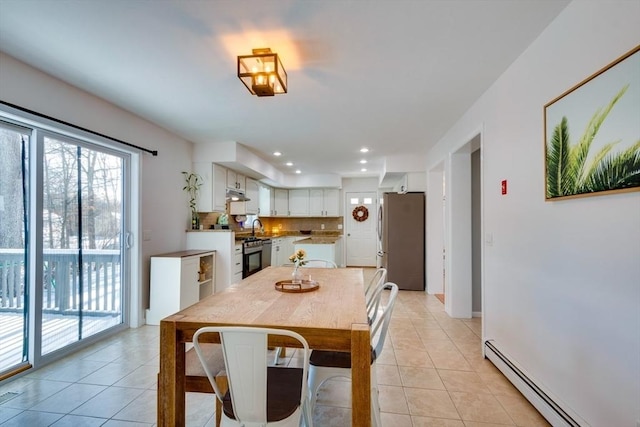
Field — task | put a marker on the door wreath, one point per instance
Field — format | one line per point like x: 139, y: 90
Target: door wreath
x: 360, y: 213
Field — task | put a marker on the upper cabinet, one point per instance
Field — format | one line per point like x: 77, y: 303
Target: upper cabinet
x: 251, y: 188
x: 280, y: 202
x: 265, y: 207
x: 324, y: 202
x: 249, y: 207
x: 212, y: 194
x: 299, y: 202
x: 235, y: 181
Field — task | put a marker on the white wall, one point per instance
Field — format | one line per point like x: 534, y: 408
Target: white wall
x: 164, y: 206
x: 562, y: 279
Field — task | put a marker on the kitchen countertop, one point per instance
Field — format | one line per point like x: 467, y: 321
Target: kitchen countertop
x: 183, y: 254
x: 318, y: 237
x: 324, y: 240
x: 208, y: 230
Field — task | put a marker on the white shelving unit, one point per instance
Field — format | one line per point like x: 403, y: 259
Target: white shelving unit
x: 178, y: 280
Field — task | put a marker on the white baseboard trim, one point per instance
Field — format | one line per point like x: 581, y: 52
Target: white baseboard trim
x: 476, y: 314
x: 549, y: 407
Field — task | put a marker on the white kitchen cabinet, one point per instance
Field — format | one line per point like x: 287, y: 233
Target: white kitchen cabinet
x: 249, y: 207
x: 276, y: 251
x: 235, y: 181
x: 280, y: 202
x: 253, y: 196
x: 237, y: 263
x: 288, y: 248
x: 212, y: 194
x: 176, y: 282
x: 299, y: 202
x: 324, y: 202
x: 282, y: 248
x: 265, y: 208
x: 221, y: 241
x: 219, y: 194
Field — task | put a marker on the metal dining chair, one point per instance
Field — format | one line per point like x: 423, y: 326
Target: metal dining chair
x: 324, y: 365
x: 322, y: 263
x: 212, y: 354
x: 259, y: 395
x: 373, y: 293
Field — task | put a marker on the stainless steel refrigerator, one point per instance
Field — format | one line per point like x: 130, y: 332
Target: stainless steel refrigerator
x: 403, y: 239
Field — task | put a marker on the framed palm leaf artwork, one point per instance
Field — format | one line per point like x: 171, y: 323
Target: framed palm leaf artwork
x: 592, y: 133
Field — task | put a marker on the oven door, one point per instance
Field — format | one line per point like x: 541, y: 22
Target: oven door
x: 251, y: 262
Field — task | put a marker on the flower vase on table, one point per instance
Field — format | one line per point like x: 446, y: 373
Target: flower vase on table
x: 296, y: 276
x: 298, y: 260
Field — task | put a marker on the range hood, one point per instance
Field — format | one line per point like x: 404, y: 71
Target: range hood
x: 236, y: 196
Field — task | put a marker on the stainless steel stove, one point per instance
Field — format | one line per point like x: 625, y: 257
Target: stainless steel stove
x: 251, y: 256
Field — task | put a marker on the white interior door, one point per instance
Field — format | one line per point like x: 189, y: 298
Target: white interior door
x: 361, y: 232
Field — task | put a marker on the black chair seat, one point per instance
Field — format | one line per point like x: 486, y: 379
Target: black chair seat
x: 283, y: 394
x: 334, y: 359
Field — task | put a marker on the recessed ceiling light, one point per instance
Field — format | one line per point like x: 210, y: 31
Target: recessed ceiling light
x: 363, y: 161
x: 298, y: 171
x: 277, y: 153
x: 289, y: 164
x: 363, y: 170
x: 364, y: 150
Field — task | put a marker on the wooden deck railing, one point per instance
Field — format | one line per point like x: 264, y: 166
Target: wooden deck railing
x: 61, y: 281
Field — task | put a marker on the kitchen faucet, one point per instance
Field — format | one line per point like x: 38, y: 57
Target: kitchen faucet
x: 253, y: 230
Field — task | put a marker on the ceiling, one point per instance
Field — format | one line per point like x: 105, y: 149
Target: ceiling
x: 392, y: 76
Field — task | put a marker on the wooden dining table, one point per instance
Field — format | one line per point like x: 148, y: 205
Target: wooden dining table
x: 332, y: 317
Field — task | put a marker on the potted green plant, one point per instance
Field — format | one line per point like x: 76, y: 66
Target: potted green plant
x: 193, y: 182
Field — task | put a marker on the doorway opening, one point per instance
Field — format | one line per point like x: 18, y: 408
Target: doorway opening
x: 454, y: 223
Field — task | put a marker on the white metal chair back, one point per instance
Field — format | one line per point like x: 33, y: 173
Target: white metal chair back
x: 245, y: 356
x: 380, y: 324
x: 373, y: 293
x: 330, y: 364
x: 322, y: 263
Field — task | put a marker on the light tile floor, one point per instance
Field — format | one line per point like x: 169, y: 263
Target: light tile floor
x: 431, y: 373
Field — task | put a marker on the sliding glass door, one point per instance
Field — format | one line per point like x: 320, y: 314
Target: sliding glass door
x: 82, y: 254
x: 14, y: 186
x: 63, y: 258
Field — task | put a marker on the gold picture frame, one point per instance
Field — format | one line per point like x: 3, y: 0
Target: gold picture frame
x: 592, y: 134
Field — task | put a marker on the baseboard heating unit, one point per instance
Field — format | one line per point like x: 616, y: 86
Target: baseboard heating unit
x: 538, y: 398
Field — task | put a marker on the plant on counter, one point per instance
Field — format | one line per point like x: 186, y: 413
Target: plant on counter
x: 193, y: 183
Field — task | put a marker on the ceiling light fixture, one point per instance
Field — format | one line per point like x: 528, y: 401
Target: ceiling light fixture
x: 298, y: 171
x: 277, y: 153
x: 262, y: 73
x: 363, y: 161
x: 289, y: 164
x: 363, y: 170
x: 364, y: 150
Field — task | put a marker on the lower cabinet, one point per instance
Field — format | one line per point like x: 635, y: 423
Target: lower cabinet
x: 276, y: 252
x: 237, y: 263
x: 288, y: 248
x: 178, y: 280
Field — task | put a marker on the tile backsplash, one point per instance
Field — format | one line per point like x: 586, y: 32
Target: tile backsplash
x: 275, y: 225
